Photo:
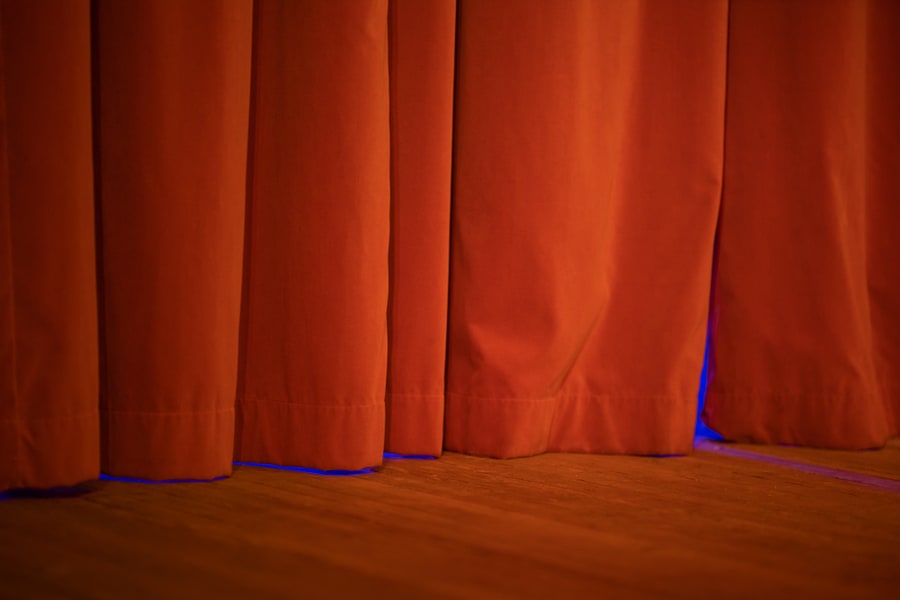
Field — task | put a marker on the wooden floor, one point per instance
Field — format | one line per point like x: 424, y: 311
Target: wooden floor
x: 727, y: 522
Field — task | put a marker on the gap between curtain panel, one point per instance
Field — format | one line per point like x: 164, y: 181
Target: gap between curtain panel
x: 272, y: 187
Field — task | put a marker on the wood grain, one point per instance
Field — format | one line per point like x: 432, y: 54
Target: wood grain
x: 880, y: 463
x: 562, y: 525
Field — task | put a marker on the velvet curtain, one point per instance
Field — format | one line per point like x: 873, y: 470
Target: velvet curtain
x: 306, y: 232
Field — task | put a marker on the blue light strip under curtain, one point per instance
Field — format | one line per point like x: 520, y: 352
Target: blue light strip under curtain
x: 701, y: 430
x: 332, y: 473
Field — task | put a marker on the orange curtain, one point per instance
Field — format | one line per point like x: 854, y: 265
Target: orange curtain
x: 309, y: 232
x: 49, y: 430
x: 805, y: 320
x: 587, y: 165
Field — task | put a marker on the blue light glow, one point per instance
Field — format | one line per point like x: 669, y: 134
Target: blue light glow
x: 702, y: 430
x: 331, y: 473
x: 394, y: 456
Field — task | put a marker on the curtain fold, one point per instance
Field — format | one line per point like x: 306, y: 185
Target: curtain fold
x: 587, y: 173
x: 422, y: 62
x: 172, y: 102
x: 49, y: 427
x: 307, y: 233
x: 807, y: 294
x: 319, y: 202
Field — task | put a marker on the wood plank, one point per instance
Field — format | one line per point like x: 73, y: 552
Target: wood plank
x: 884, y: 462
x: 561, y: 525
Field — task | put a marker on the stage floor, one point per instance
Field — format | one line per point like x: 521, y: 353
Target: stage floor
x: 729, y: 521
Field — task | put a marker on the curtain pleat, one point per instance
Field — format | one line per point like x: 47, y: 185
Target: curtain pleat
x: 48, y: 304
x: 881, y: 192
x: 422, y: 42
x: 586, y: 170
x: 319, y: 205
x: 805, y: 321
x: 307, y: 233
x: 172, y: 91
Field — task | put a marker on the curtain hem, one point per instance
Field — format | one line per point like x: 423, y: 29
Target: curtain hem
x: 414, y: 424
x: 812, y: 420
x: 602, y: 424
x: 52, y: 452
x: 155, y: 445
x: 317, y: 436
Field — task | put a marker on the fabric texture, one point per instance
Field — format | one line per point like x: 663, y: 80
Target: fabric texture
x: 806, y: 310
x: 307, y: 233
